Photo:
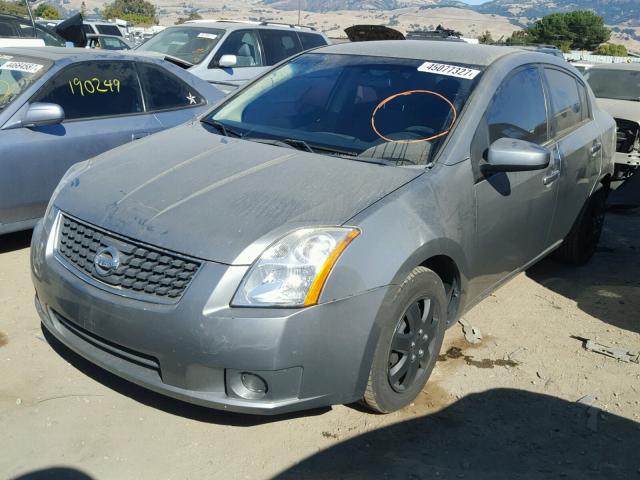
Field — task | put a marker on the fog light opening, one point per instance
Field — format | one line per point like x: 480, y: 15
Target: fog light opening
x: 254, y: 383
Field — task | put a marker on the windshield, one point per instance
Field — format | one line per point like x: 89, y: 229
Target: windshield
x: 358, y: 106
x: 614, y: 84
x: 17, y: 73
x: 191, y: 44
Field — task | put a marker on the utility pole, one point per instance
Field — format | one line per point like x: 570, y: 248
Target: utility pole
x: 299, y: 12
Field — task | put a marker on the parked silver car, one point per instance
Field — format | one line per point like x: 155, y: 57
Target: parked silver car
x: 308, y: 242
x: 59, y: 106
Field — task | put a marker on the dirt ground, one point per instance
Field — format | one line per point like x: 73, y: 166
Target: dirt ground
x: 505, y: 409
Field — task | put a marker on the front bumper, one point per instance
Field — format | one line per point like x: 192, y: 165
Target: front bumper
x: 195, y: 350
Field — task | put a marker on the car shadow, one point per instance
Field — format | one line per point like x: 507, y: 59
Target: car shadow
x: 54, y: 473
x: 15, y: 241
x: 607, y: 287
x: 162, y: 402
x: 494, y: 435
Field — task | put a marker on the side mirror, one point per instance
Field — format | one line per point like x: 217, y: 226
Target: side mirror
x: 512, y: 155
x: 227, y: 61
x: 41, y: 114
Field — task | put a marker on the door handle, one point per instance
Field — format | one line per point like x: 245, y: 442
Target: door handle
x: 138, y: 136
x: 552, y: 177
x: 596, y: 148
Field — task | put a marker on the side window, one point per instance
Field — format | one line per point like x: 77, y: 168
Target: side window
x: 7, y: 29
x: 94, y: 89
x: 518, y: 109
x: 244, y: 45
x: 311, y: 40
x: 566, y: 104
x: 109, y: 30
x: 49, y: 39
x: 88, y: 29
x: 584, y: 100
x: 164, y: 91
x: 279, y: 44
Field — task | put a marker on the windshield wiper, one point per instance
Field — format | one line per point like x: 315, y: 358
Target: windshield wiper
x: 222, y: 128
x: 285, y: 142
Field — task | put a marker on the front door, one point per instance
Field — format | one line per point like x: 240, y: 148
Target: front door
x: 514, y: 209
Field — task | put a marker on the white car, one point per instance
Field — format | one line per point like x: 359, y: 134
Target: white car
x: 228, y: 53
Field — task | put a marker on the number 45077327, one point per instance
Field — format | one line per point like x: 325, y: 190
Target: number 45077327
x: 94, y: 86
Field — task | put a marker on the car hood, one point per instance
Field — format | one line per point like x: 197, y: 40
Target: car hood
x: 213, y: 197
x: 623, y: 109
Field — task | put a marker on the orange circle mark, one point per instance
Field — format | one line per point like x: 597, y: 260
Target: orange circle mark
x: 407, y: 93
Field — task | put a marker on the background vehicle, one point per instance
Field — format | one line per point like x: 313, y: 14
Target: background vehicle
x: 17, y: 27
x: 229, y: 54
x: 316, y: 256
x: 92, y: 27
x: 107, y: 42
x: 617, y: 87
x: 61, y: 106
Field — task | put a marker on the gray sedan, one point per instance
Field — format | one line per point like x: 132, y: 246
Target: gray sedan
x: 60, y: 106
x: 310, y: 239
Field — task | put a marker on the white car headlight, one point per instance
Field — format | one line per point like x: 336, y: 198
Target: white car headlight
x: 293, y: 271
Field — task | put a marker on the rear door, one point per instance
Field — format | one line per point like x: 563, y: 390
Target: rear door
x: 577, y: 140
x: 104, y: 108
x: 514, y: 209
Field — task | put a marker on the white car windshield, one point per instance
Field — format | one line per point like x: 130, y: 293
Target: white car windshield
x: 190, y: 44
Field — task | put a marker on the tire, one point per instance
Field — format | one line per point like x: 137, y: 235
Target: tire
x: 581, y: 243
x: 410, y: 341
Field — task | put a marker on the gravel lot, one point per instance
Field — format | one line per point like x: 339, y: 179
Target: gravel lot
x: 506, y: 408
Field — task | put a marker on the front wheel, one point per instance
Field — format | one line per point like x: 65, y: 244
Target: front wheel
x: 409, y: 343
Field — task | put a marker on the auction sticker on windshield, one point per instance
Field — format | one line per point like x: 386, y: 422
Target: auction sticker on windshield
x: 22, y: 67
x: 449, y: 70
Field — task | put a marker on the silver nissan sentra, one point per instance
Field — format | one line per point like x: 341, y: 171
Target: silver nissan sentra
x: 308, y: 241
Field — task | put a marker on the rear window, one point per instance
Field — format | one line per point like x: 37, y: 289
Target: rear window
x: 163, y: 91
x: 17, y: 73
x: 566, y: 104
x: 109, y: 30
x: 190, y: 44
x: 311, y: 40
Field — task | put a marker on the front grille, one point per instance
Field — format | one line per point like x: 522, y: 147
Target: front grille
x: 143, y: 270
x: 627, y: 134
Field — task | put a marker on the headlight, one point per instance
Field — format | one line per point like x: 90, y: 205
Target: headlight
x: 293, y: 271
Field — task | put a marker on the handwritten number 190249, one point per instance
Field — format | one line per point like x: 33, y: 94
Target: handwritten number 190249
x: 94, y: 86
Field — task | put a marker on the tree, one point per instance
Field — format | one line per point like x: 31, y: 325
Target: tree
x: 48, y: 12
x: 612, y: 49
x: 192, y: 16
x: 134, y: 11
x: 13, y: 8
x: 83, y: 9
x: 580, y: 30
x: 519, y: 37
x: 486, y: 38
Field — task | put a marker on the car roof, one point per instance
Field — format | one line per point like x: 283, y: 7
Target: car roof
x: 241, y: 25
x: 57, y: 54
x: 615, y: 66
x: 436, y: 51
